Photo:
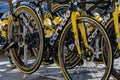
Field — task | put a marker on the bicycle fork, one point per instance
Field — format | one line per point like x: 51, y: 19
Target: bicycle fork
x: 116, y: 23
x: 74, y: 17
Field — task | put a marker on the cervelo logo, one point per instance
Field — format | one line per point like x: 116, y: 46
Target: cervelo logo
x: 105, y: 19
x: 93, y: 35
x: 60, y: 27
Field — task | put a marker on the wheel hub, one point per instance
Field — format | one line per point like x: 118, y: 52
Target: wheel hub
x: 89, y: 54
x: 21, y: 40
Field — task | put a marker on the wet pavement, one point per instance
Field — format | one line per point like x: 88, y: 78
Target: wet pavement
x: 45, y: 72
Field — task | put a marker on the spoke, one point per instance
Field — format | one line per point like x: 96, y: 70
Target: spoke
x: 27, y: 18
x: 25, y: 46
x: 25, y: 55
x: 19, y: 51
x: 35, y: 52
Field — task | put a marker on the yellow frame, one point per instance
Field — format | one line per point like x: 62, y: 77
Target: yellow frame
x: 74, y: 17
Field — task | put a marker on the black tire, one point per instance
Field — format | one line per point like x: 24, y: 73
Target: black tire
x: 27, y: 30
x: 87, y: 71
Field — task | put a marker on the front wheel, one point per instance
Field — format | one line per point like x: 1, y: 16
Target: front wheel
x: 87, y: 68
x: 26, y: 30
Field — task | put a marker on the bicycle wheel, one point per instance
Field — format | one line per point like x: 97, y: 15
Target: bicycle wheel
x: 88, y: 68
x: 27, y: 31
x: 116, y: 66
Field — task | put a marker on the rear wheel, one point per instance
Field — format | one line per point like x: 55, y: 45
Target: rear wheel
x: 27, y: 32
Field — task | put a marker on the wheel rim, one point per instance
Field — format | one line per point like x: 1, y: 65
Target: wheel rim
x: 88, y: 69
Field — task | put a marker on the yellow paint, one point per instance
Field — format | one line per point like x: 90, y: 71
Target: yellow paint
x: 116, y: 22
x: 57, y: 20
x: 83, y: 34
x: 75, y: 30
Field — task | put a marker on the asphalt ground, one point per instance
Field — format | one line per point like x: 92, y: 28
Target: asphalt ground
x: 45, y: 72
